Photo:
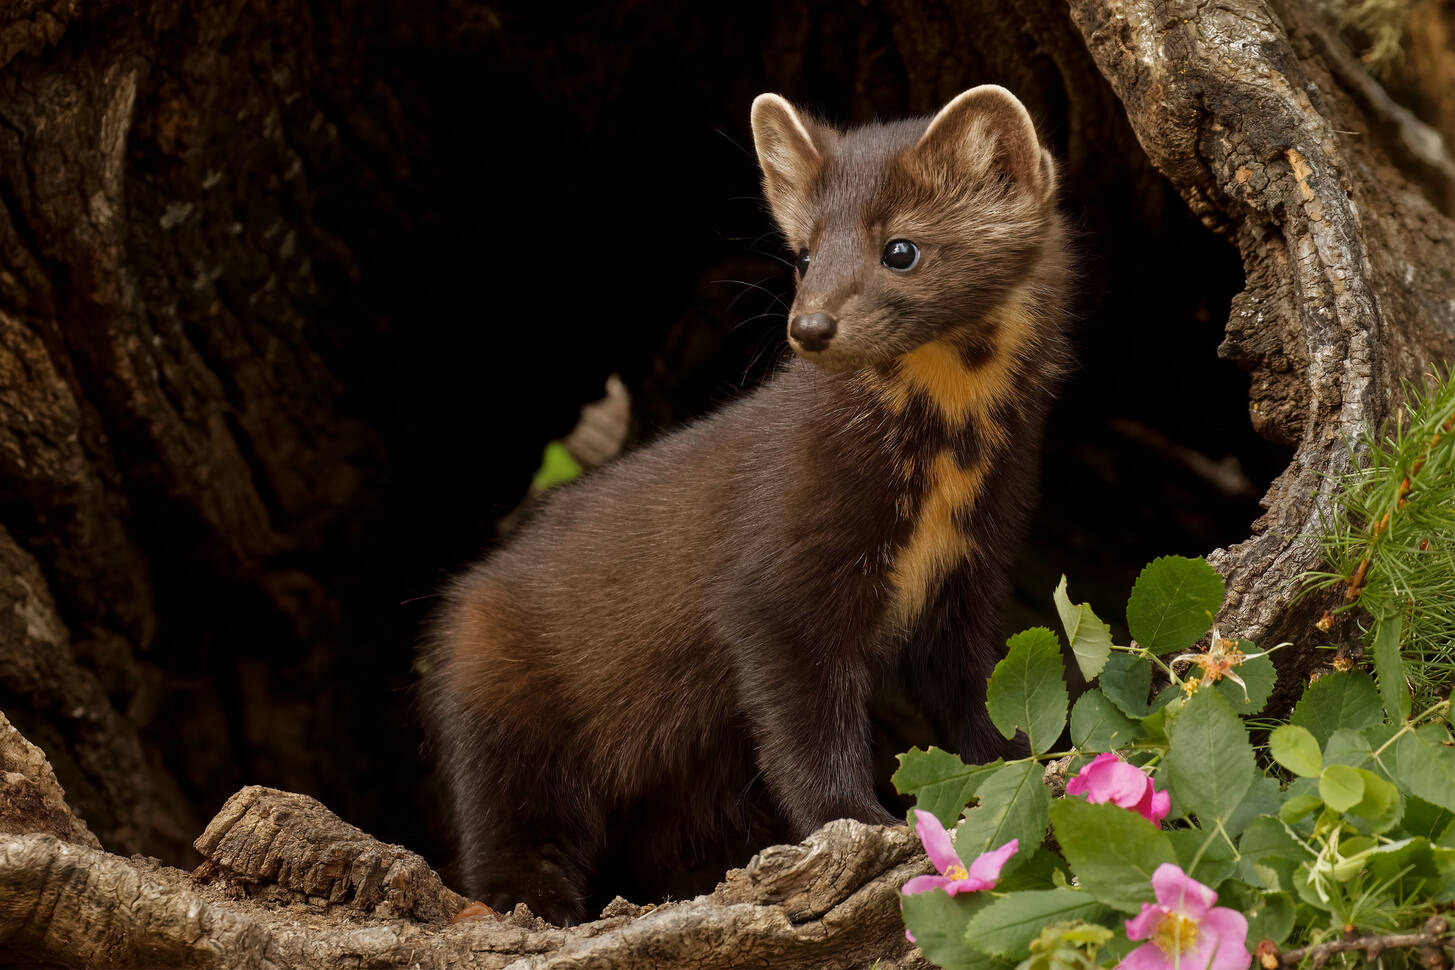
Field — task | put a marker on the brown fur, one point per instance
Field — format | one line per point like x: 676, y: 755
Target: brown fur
x: 672, y: 665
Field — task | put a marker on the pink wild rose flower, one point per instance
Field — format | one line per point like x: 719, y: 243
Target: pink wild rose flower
x: 1184, y: 929
x: 1110, y: 779
x: 954, y: 877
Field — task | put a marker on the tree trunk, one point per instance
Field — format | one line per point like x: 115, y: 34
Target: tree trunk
x: 265, y: 268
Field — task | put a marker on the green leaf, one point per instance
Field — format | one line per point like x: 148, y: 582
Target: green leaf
x: 1097, y: 724
x: 1258, y: 674
x: 1389, y: 668
x: 1422, y: 818
x: 1127, y: 681
x: 1173, y: 603
x: 1345, y: 699
x: 558, y: 466
x: 1270, y: 915
x: 1265, y: 841
x: 1341, y: 787
x: 1037, y: 869
x: 1215, y: 858
x: 1026, y: 689
x: 1263, y: 798
x: 1426, y: 767
x: 1014, y: 804
x: 1007, y: 926
x: 938, y: 922
x: 1112, y: 852
x: 1296, y: 749
x: 1298, y: 806
x: 940, y: 783
x: 1379, y: 806
x: 1090, y: 638
x: 1210, y: 764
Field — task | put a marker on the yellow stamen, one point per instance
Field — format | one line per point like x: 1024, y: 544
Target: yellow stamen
x: 1190, y: 686
x: 956, y: 872
x: 1175, y: 934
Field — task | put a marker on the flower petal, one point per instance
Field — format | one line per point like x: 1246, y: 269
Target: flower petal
x: 923, y: 884
x: 986, y: 867
x: 1121, y: 784
x: 1181, y: 893
x: 1142, y: 925
x: 1082, y: 781
x: 936, y: 840
x: 1146, y: 957
x: 1223, y: 934
x: 1161, y: 805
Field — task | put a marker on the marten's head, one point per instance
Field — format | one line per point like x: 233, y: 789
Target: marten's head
x: 909, y: 232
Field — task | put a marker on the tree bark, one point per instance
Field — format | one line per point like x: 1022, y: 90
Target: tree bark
x: 238, y: 245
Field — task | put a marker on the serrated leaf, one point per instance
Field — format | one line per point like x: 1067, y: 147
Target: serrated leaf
x: 1210, y: 764
x: 1014, y: 804
x: 1259, y: 676
x: 1090, y: 638
x: 1026, y: 689
x: 1215, y: 858
x: 1263, y: 798
x: 939, y: 782
x: 1267, y: 839
x: 938, y: 921
x: 1296, y: 749
x: 1423, y: 818
x: 1098, y: 725
x: 1173, y: 603
x: 1112, y: 852
x: 1126, y: 680
x: 1426, y: 768
x: 1038, y: 869
x: 1389, y: 668
x: 1007, y: 926
x: 1341, y: 787
x: 1345, y: 699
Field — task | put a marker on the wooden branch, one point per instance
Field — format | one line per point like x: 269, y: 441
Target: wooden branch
x: 1432, y: 942
x: 287, y: 883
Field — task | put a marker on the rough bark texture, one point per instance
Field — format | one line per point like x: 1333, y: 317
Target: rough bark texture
x: 250, y: 391
x: 285, y: 883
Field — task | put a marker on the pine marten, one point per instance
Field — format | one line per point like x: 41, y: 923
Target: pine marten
x: 671, y: 665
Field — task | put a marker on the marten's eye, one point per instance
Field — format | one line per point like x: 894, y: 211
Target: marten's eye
x: 802, y: 263
x: 900, y: 255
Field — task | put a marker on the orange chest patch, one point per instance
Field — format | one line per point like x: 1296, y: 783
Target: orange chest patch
x: 958, y: 394
x: 936, y: 543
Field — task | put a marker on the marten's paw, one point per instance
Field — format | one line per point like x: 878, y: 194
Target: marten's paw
x: 545, y: 891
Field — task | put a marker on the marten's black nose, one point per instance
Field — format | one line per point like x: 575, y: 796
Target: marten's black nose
x: 813, y: 331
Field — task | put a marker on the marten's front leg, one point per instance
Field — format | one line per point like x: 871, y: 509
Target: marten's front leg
x: 810, y: 722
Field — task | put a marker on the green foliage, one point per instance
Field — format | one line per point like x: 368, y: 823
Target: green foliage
x: 1112, y: 851
x: 558, y: 466
x: 1027, y: 690
x: 1296, y: 749
x: 1008, y: 926
x: 1013, y: 805
x: 1090, y: 638
x: 1209, y: 760
x: 941, y: 783
x: 1339, y: 700
x: 1349, y: 820
x: 1389, y: 542
x: 1173, y: 603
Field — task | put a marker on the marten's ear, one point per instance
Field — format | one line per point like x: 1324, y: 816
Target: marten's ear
x: 791, y: 158
x: 985, y: 131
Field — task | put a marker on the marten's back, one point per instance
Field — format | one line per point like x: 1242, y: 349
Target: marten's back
x: 600, y: 626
